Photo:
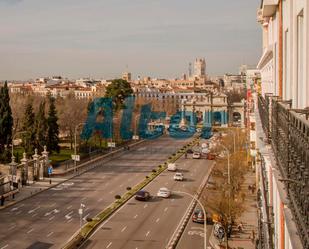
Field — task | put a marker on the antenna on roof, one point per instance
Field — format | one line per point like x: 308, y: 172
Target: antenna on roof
x: 190, y: 69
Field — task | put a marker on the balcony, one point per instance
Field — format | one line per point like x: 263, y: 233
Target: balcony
x: 269, y: 7
x: 287, y: 130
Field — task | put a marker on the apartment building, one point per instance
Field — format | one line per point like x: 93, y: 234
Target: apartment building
x: 281, y: 124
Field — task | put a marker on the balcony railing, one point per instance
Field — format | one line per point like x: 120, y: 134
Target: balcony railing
x: 287, y: 130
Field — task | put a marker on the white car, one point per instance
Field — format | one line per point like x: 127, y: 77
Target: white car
x: 178, y: 177
x: 196, y: 155
x: 164, y: 192
x: 171, y: 167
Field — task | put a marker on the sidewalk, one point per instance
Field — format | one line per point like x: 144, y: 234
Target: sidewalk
x: 249, y: 218
x: 33, y: 189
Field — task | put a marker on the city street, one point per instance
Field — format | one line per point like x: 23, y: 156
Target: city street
x: 50, y: 218
x: 151, y: 224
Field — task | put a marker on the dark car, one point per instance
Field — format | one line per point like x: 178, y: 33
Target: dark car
x: 198, y: 216
x: 142, y: 195
x: 189, y: 151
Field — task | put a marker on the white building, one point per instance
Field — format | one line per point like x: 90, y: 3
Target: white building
x: 284, y: 67
x: 284, y: 63
x: 200, y: 68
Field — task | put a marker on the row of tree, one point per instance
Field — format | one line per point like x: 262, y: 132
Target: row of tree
x: 6, y: 122
x: 39, y: 130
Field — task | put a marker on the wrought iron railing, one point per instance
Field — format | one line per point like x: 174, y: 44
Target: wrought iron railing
x: 288, y: 133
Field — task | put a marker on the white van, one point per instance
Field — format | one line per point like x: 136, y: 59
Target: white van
x: 171, y: 167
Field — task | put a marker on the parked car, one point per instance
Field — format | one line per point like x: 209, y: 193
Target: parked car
x: 189, y: 151
x: 142, y: 195
x: 198, y: 216
x: 196, y: 155
x: 211, y: 156
x: 178, y: 177
x: 171, y: 167
x: 164, y: 192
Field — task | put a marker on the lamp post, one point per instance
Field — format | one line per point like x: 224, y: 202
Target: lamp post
x: 205, y: 221
x: 234, y: 139
x: 75, y: 145
x: 81, y: 212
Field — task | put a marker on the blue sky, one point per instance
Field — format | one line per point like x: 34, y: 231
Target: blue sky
x: 98, y: 38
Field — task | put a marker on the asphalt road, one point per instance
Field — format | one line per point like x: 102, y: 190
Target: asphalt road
x: 50, y: 218
x: 151, y: 224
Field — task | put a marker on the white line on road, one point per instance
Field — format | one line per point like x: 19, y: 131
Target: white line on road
x: 84, y: 198
x: 147, y: 233
x: 4, y: 246
x: 69, y: 207
x: 69, y: 220
x: 33, y: 210
x: 146, y: 205
x: 100, y: 199
x: 19, y: 212
x: 110, y: 243
x: 30, y: 230
x: 157, y: 220
x: 34, y: 215
x: 135, y: 216
x: 122, y: 230
x: 12, y: 227
x: 51, y: 218
x: 165, y: 209
x: 48, y: 235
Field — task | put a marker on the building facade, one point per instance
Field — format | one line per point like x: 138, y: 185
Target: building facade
x: 281, y: 124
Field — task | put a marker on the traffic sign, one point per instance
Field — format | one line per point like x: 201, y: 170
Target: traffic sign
x: 111, y: 144
x: 75, y: 157
x: 50, y: 170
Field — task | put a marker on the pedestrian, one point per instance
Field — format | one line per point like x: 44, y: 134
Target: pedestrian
x: 249, y: 187
x: 240, y: 227
x: 252, y: 189
x: 50, y: 181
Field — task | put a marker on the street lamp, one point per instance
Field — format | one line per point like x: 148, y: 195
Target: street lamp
x: 205, y: 221
x: 234, y: 135
x: 229, y: 183
x: 75, y: 145
x: 81, y: 211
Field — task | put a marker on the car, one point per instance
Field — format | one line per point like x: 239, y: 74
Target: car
x: 211, y: 156
x: 171, y: 167
x: 196, y: 155
x: 178, y: 177
x: 198, y: 216
x: 164, y: 192
x: 142, y: 195
x: 189, y: 151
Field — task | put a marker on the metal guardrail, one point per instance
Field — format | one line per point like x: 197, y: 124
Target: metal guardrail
x: 288, y: 132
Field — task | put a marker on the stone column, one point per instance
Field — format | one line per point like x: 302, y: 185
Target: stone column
x: 24, y: 162
x: 36, y: 166
x: 45, y: 161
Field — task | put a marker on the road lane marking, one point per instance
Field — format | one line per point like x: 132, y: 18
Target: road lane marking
x: 51, y: 218
x: 146, y: 205
x: 157, y: 220
x: 122, y: 230
x: 14, y: 209
x: 69, y: 207
x: 4, y: 246
x: 100, y: 199
x: 19, y: 212
x: 68, y: 215
x: 147, y: 233
x: 165, y: 209
x: 12, y: 227
x: 110, y: 243
x: 111, y: 192
x: 135, y: 216
x: 48, y: 235
x: 30, y: 230
x: 34, y: 215
x: 69, y: 220
x: 84, y: 198
x: 172, y: 200
x: 33, y: 210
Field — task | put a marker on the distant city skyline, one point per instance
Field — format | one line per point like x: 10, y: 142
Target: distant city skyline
x: 98, y: 39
